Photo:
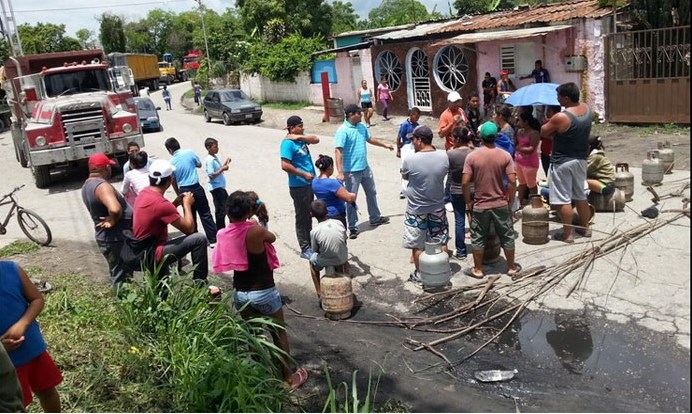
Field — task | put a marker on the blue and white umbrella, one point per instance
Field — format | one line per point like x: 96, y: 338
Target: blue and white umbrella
x: 534, y: 94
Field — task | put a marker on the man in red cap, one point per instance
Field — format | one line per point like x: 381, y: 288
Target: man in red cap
x: 110, y: 213
x: 505, y: 86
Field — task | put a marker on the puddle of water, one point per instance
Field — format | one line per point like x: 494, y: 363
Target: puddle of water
x: 626, y: 357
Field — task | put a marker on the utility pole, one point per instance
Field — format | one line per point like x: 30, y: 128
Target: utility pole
x: 204, y: 32
x: 8, y: 26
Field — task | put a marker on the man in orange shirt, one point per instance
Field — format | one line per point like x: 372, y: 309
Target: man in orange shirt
x: 451, y: 118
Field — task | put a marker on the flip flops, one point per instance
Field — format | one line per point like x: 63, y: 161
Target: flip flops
x: 517, y: 269
x: 584, y: 232
x: 561, y: 237
x: 469, y: 272
x: 298, y: 378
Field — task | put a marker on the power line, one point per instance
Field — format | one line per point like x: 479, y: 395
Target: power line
x: 99, y: 7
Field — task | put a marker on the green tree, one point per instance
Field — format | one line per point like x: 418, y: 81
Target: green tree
x: 471, y: 7
x: 159, y: 23
x: 307, y: 17
x: 46, y: 38
x: 284, y: 60
x: 85, y: 37
x: 655, y: 14
x: 344, y: 18
x: 398, y: 12
x: 138, y: 37
x: 4, y: 50
x: 112, y: 33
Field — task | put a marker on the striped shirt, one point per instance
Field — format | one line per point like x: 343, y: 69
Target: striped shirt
x: 352, y: 139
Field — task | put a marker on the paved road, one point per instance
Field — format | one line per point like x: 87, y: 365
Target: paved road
x: 651, y: 289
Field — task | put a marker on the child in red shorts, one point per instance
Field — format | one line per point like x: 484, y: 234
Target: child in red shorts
x: 20, y: 304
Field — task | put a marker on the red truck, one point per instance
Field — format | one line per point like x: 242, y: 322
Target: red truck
x: 192, y: 59
x: 65, y: 107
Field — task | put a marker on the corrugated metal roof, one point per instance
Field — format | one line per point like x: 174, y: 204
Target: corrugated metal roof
x: 501, y: 34
x: 418, y: 31
x: 540, y: 13
x: 357, y: 46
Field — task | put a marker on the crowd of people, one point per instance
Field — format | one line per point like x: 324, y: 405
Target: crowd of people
x: 475, y: 176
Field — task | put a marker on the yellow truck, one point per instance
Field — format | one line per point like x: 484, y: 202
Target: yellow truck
x: 168, y: 73
x: 145, y: 68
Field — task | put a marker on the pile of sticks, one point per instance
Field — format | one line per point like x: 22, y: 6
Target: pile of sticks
x: 524, y: 288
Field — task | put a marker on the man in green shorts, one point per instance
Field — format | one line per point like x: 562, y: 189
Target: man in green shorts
x: 490, y: 206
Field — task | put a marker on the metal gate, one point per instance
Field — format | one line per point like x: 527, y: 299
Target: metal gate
x: 419, y: 79
x: 648, y: 76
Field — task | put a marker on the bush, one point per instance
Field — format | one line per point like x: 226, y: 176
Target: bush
x: 284, y: 60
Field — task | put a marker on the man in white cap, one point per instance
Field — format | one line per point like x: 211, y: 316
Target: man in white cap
x: 153, y: 213
x: 451, y: 118
x: 110, y: 213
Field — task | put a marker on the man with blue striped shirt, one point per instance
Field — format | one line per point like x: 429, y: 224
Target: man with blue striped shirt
x: 351, y: 158
x: 186, y: 179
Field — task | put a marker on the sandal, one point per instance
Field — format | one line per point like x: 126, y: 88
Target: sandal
x: 584, y: 232
x: 298, y: 378
x: 561, y: 237
x: 469, y: 272
x: 517, y: 269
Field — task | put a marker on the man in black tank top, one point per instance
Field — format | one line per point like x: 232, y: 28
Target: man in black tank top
x: 569, y: 130
x: 110, y: 213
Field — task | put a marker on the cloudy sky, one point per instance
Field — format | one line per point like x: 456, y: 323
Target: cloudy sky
x: 77, y: 14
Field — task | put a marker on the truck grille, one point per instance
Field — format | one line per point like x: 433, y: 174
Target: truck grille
x: 83, y: 125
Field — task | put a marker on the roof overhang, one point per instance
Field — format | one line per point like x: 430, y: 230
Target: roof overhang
x: 479, y: 37
x: 357, y: 46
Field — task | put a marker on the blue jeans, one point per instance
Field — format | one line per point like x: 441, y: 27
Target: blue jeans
x: 352, y: 182
x: 459, y: 223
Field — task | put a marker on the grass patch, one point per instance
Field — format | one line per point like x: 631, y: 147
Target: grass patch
x: 286, y: 105
x: 190, y: 93
x: 18, y: 247
x: 142, y: 353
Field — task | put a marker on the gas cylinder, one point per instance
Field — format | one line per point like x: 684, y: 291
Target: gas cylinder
x: 667, y: 157
x: 624, y: 180
x: 434, y: 265
x: 652, y: 169
x: 534, y: 221
x: 610, y: 203
x: 337, y: 294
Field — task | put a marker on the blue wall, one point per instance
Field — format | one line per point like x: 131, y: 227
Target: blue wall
x: 320, y: 66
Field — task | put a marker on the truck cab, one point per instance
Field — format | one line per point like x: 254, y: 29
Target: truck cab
x: 65, y: 114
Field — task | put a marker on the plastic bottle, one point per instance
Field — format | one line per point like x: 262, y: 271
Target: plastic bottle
x: 495, y: 375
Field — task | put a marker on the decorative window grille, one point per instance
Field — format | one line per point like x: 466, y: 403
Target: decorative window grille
x: 451, y: 68
x: 388, y: 66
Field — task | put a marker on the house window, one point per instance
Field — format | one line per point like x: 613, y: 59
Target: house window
x: 507, y: 59
x: 451, y: 68
x: 388, y: 66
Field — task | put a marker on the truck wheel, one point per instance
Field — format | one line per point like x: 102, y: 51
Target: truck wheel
x: 206, y: 116
x: 42, y: 176
x: 22, y: 156
x: 226, y: 119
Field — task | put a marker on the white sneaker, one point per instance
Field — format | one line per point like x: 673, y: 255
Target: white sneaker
x: 449, y: 207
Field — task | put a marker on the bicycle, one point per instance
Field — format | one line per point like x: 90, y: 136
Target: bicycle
x: 31, y: 223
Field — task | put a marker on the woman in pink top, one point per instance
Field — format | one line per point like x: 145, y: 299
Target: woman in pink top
x: 384, y: 95
x: 526, y: 154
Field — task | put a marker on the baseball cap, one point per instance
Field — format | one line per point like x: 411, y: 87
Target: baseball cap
x: 504, y: 72
x: 423, y: 132
x: 293, y: 121
x: 352, y: 109
x: 453, y: 96
x: 161, y: 169
x: 488, y: 131
x: 100, y: 160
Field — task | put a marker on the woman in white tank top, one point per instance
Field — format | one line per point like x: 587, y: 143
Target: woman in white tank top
x: 364, y: 97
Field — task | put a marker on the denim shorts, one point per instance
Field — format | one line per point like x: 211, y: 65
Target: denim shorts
x: 265, y: 301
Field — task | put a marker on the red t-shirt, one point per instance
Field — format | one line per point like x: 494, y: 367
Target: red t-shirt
x: 487, y: 166
x: 151, y: 217
x: 446, y: 119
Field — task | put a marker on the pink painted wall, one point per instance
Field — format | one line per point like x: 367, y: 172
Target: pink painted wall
x: 586, y: 38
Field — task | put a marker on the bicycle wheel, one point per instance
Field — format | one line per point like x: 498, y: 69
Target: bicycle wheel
x: 34, y: 227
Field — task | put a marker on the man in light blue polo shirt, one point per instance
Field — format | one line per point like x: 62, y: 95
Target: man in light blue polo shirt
x: 185, y: 179
x: 351, y: 158
x: 297, y: 162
